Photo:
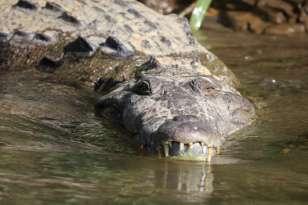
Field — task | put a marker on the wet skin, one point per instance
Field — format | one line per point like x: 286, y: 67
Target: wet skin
x: 182, y: 104
x: 186, y: 118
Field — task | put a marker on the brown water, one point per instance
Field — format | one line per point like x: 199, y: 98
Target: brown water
x: 87, y: 162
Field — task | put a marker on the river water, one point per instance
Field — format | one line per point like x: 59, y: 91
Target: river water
x: 89, y: 162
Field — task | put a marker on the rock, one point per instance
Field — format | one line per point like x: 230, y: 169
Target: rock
x: 256, y: 15
x: 304, y: 19
x: 250, y: 2
x: 275, y: 16
x: 244, y: 21
x: 162, y: 6
x: 278, y: 5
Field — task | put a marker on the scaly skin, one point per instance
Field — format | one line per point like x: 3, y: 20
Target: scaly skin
x: 185, y: 117
x: 157, y: 80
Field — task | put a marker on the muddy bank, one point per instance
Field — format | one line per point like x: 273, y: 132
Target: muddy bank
x: 278, y: 17
x: 275, y: 17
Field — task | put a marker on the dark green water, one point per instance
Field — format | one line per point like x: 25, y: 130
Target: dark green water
x: 267, y: 163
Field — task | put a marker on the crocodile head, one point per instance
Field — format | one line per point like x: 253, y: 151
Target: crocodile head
x: 178, y: 117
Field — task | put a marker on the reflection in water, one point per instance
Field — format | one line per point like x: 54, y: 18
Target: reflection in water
x: 85, y: 162
x: 41, y: 163
x: 62, y: 177
x: 185, y: 177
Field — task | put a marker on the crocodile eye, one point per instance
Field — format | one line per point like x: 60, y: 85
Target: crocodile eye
x: 143, y: 88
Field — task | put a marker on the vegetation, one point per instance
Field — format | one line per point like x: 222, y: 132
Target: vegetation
x: 198, y: 14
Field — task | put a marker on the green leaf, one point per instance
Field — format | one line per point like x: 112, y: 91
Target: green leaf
x: 198, y: 14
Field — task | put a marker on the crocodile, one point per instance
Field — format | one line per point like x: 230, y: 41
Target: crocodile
x: 153, y: 76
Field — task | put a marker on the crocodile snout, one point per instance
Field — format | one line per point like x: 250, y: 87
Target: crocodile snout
x: 188, y: 118
x: 187, y: 136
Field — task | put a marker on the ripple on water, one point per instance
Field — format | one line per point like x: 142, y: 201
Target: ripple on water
x: 88, y: 162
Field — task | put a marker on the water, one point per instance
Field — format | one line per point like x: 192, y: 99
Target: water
x: 84, y: 161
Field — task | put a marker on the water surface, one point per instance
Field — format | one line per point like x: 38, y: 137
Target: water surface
x: 86, y: 161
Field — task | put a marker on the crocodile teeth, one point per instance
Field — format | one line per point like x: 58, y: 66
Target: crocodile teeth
x: 166, y: 149
x: 211, y: 153
x: 182, y: 147
x: 203, y: 147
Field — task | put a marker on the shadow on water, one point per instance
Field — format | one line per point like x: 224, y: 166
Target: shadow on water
x: 85, y: 161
